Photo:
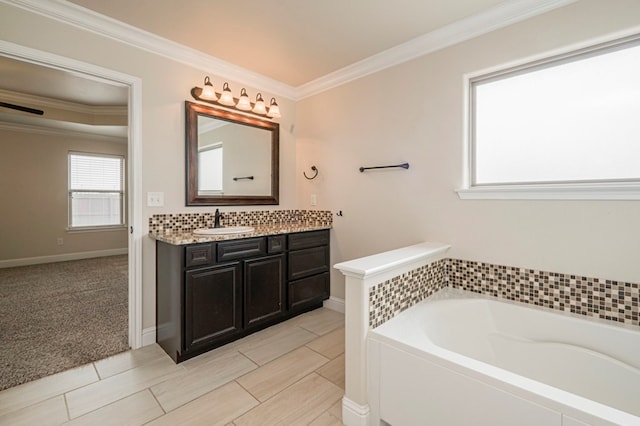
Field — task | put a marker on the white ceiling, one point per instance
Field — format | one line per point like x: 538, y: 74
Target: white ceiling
x: 291, y: 41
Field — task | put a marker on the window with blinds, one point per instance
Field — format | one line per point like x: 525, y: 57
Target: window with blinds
x: 96, y: 190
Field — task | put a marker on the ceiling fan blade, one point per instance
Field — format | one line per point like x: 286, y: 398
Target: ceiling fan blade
x: 22, y: 108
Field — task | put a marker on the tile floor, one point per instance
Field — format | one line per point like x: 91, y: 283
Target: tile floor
x: 289, y: 374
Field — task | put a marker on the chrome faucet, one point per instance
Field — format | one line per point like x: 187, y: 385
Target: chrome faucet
x: 216, y: 220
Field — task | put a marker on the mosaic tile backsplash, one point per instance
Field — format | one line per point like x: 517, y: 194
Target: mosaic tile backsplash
x: 161, y: 223
x: 611, y: 300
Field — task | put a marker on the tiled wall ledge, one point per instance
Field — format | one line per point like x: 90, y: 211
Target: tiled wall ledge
x: 362, y: 275
x: 184, y: 222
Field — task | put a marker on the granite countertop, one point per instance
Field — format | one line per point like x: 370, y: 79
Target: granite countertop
x: 178, y: 238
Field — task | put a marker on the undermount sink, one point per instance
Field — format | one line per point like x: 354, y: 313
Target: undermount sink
x: 224, y: 230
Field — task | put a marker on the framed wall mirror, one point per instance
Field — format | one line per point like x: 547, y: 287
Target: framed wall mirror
x: 232, y: 159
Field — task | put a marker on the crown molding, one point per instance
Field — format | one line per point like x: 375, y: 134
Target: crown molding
x: 94, y: 22
x: 500, y: 16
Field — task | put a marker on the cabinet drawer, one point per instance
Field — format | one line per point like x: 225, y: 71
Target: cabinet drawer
x: 303, y: 263
x: 198, y: 255
x: 241, y: 249
x: 276, y: 244
x: 308, y: 290
x: 308, y: 239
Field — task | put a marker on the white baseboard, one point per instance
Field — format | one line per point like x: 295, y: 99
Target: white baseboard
x: 148, y: 336
x: 61, y: 257
x: 334, y: 303
x: 354, y: 414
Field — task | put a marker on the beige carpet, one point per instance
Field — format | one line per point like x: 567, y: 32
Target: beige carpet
x: 61, y: 315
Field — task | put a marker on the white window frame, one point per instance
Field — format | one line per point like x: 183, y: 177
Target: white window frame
x: 592, y: 190
x: 121, y: 192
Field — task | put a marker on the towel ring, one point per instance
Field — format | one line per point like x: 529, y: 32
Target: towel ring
x: 314, y: 169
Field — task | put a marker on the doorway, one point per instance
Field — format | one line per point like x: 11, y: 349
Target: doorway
x: 132, y: 86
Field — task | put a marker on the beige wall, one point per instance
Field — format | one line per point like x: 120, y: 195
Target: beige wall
x: 165, y: 87
x: 413, y: 112
x: 33, y: 190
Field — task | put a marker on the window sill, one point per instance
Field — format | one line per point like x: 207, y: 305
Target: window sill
x: 97, y: 229
x: 630, y: 191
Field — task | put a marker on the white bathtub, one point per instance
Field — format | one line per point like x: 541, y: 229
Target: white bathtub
x: 462, y: 359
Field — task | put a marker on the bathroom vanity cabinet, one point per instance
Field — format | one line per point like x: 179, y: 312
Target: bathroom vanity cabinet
x: 212, y: 293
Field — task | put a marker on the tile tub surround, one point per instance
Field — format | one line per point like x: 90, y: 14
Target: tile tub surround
x: 606, y: 299
x: 185, y: 222
x: 388, y: 299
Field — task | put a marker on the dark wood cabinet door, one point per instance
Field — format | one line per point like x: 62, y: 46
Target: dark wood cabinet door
x: 213, y: 307
x: 264, y: 289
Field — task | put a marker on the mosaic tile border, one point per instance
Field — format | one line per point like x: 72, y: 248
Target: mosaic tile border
x: 179, y: 222
x: 606, y: 299
x: 388, y: 299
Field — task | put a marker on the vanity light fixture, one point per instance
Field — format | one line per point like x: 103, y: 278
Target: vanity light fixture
x: 208, y: 94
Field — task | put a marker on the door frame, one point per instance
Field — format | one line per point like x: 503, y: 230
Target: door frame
x: 134, y: 163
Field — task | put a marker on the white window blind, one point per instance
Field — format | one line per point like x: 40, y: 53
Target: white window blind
x: 96, y: 190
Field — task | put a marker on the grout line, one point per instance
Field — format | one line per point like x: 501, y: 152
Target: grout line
x: 327, y: 412
x: 250, y: 360
x: 93, y: 364
x: 248, y: 391
x: 153, y: 395
x: 66, y: 405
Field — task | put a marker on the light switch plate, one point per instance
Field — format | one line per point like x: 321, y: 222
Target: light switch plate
x: 155, y: 199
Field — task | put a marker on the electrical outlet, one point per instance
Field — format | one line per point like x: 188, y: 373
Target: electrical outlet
x: 60, y: 241
x: 155, y: 199
x: 314, y: 200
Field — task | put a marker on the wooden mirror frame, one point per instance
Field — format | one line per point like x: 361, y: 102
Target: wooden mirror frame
x: 192, y: 110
